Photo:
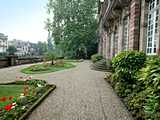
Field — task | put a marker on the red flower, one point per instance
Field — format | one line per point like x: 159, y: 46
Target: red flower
x: 11, y: 97
x: 3, y: 99
x: 0, y: 109
x: 8, y: 107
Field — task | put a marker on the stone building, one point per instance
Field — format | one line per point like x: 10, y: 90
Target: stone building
x: 129, y: 25
x: 21, y: 46
x: 24, y: 48
x: 3, y: 43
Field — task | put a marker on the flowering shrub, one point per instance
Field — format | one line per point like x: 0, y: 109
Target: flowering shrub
x: 11, y: 108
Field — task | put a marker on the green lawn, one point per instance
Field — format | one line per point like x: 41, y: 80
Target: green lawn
x: 41, y: 68
x: 10, y: 90
x: 71, y: 60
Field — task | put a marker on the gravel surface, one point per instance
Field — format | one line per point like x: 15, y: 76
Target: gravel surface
x: 81, y: 94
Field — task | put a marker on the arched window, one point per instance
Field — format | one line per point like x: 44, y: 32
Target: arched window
x: 125, y: 33
x: 152, y: 28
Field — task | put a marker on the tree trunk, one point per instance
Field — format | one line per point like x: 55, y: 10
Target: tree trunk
x: 52, y: 62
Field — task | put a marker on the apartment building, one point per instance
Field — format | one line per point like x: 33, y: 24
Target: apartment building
x: 3, y: 43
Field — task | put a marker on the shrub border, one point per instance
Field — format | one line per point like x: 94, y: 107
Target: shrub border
x: 120, y: 98
x: 37, y: 102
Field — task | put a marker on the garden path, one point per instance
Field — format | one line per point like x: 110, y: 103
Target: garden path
x: 81, y: 94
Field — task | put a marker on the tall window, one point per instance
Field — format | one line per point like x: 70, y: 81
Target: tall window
x: 125, y: 33
x: 116, y: 41
x: 152, y: 29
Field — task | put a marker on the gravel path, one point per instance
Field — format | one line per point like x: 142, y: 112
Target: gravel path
x: 81, y: 94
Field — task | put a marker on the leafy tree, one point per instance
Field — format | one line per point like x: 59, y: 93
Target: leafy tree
x: 50, y: 42
x: 42, y: 47
x: 11, y: 50
x: 50, y: 56
x: 73, y: 26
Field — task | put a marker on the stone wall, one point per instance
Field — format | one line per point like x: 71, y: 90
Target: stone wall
x: 3, y: 62
x: 21, y: 61
x: 6, y: 62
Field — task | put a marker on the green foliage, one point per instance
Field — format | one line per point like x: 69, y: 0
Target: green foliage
x: 141, y: 95
x: 50, y: 56
x: 121, y: 89
x: 127, y: 63
x: 150, y: 74
x: 37, y: 68
x: 10, y: 90
x: 42, y: 48
x: 3, y: 55
x: 16, y: 107
x: 152, y: 107
x: 149, y: 57
x: 135, y: 103
x: 36, y: 82
x: 73, y: 25
x: 11, y: 50
x: 96, y: 57
x: 150, y: 77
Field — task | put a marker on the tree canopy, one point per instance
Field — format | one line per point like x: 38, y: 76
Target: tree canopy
x: 73, y: 26
x: 11, y: 50
x: 42, y: 47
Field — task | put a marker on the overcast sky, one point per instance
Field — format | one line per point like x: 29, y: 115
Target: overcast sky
x: 23, y: 19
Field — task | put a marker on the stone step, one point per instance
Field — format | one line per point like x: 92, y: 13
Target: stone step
x: 101, y: 65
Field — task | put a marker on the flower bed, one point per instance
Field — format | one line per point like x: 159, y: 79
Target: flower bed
x: 30, y: 93
x: 47, y: 68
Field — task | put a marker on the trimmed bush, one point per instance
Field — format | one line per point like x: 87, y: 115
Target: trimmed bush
x: 135, y: 103
x: 127, y: 63
x: 96, y: 57
x: 136, y: 79
x: 126, y: 66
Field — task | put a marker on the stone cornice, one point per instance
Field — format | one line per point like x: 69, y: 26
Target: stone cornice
x: 113, y: 10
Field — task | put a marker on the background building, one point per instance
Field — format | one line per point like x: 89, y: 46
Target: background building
x: 24, y: 48
x: 3, y: 43
x: 129, y: 25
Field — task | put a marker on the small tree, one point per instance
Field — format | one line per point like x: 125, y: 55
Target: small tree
x: 50, y: 56
x: 11, y: 50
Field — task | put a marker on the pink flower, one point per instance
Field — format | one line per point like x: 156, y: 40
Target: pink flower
x: 30, y: 78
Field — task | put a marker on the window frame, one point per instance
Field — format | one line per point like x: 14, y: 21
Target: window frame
x: 152, y: 27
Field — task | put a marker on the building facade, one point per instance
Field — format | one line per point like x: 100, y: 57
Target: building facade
x: 3, y: 43
x: 129, y: 25
x: 24, y: 48
x: 21, y: 46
